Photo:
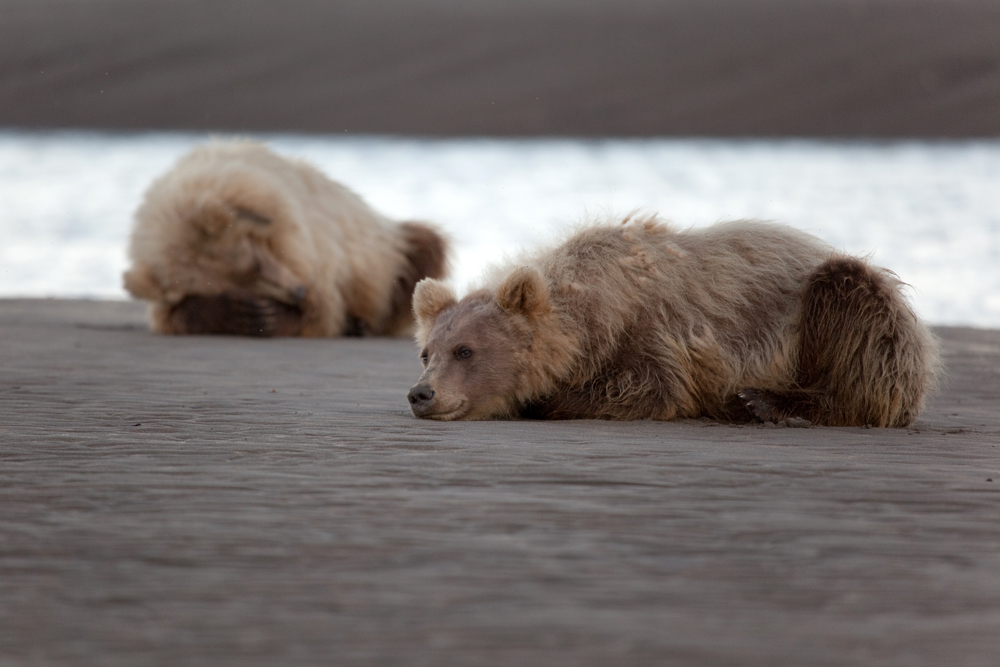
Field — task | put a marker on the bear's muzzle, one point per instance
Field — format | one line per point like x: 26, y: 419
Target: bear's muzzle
x: 421, y: 399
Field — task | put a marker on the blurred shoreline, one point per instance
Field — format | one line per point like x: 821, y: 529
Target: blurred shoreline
x: 925, y: 209
x: 824, y: 68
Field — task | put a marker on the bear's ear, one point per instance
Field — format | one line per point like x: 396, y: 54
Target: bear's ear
x: 524, y: 292
x: 140, y: 283
x: 427, y: 250
x: 430, y: 297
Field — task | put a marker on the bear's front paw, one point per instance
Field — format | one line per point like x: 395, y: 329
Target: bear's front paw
x: 260, y: 316
x: 253, y: 316
x: 235, y: 314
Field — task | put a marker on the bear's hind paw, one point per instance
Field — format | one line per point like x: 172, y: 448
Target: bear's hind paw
x: 761, y: 404
x: 780, y: 409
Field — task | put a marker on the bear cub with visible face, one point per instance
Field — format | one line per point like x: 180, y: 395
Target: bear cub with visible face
x: 236, y: 239
x: 739, y: 321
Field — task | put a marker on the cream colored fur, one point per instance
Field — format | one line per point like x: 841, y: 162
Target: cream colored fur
x: 227, y: 196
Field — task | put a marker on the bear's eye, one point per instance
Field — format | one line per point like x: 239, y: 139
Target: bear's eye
x: 463, y: 353
x: 423, y: 357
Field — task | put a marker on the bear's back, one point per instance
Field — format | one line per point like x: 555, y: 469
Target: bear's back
x: 744, y: 277
x: 656, y: 307
x: 724, y: 275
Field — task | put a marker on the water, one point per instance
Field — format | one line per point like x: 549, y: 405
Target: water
x: 928, y: 210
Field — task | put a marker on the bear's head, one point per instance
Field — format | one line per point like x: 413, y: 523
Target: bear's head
x: 211, y: 236
x: 488, y: 354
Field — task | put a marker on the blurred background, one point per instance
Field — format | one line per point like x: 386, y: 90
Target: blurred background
x: 872, y: 123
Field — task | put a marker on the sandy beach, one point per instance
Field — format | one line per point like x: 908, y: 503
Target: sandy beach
x: 872, y: 68
x: 223, y: 501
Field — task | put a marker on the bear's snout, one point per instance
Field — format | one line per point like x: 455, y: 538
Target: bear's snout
x: 420, y: 398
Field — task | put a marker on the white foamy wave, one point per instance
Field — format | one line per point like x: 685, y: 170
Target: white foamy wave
x: 927, y: 210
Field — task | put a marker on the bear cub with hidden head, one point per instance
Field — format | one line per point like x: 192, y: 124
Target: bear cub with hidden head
x: 236, y: 239
x: 739, y: 321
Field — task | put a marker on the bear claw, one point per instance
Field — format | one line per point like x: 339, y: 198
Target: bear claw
x: 761, y: 404
x: 235, y: 314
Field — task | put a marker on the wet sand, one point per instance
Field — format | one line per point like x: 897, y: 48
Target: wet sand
x: 870, y: 68
x: 222, y: 501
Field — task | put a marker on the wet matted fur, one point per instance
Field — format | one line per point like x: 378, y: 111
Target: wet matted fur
x: 237, y: 239
x: 640, y: 321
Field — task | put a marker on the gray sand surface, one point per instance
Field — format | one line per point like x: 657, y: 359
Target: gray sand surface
x: 220, y: 501
x: 885, y: 68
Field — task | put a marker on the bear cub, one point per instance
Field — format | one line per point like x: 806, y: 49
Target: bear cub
x: 236, y: 239
x: 736, y: 322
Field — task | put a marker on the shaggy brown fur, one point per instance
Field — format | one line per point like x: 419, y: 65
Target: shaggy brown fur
x: 236, y: 239
x: 639, y: 321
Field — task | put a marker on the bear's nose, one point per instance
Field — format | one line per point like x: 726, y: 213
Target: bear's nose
x: 298, y: 294
x: 422, y: 393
